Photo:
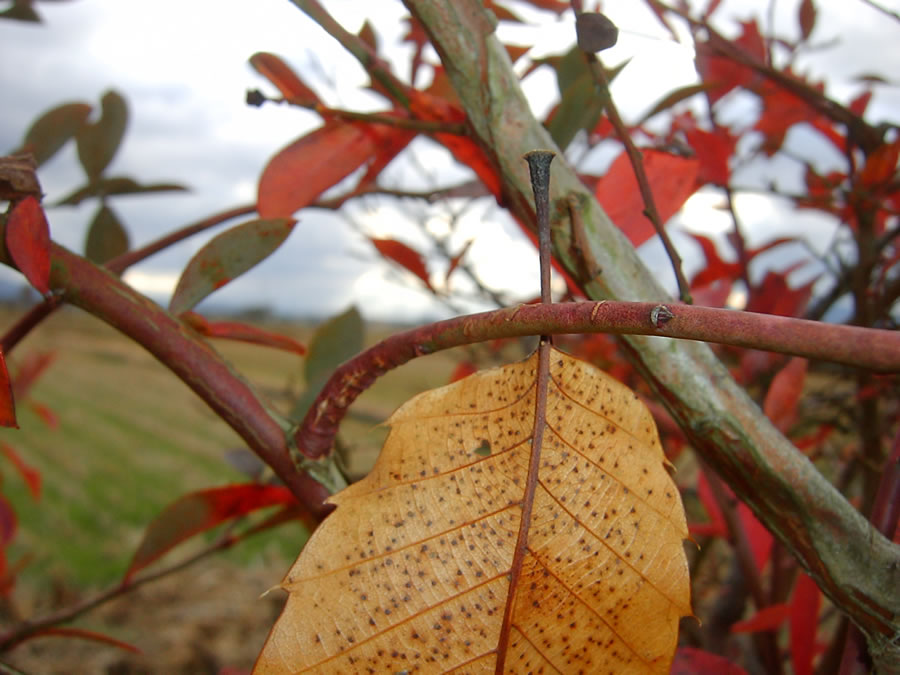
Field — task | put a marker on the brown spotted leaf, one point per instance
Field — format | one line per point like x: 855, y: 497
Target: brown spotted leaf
x: 415, y: 569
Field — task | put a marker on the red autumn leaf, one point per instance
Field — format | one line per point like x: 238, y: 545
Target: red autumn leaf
x: 804, y: 616
x: 45, y: 413
x: 32, y: 367
x: 782, y: 109
x: 418, y: 37
x: 28, y: 242
x: 457, y: 259
x: 768, y: 618
x: 388, y: 143
x: 201, y: 511
x: 234, y: 330
x: 463, y: 369
x: 425, y: 105
x: 693, y: 661
x: 7, y: 402
x: 672, y: 180
x: 81, y: 634
x: 555, y: 6
x: 717, y: 525
x: 9, y: 523
x: 274, y: 69
x: 810, y: 442
x: 30, y: 475
x: 858, y: 105
x: 757, y: 535
x: 404, y: 256
x: 724, y: 72
x: 774, y: 296
x: 303, y: 170
x: 784, y: 394
x: 880, y: 165
x: 715, y: 268
x: 713, y: 149
x: 806, y: 17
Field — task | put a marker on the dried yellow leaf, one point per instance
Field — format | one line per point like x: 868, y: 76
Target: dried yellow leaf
x: 413, y: 570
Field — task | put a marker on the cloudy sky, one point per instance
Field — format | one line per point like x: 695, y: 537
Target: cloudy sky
x: 182, y: 66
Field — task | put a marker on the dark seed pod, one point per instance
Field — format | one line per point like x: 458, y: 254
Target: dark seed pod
x: 595, y: 32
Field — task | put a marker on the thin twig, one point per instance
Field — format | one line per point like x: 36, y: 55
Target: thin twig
x: 884, y: 10
x: 423, y: 126
x: 28, y: 628
x: 637, y: 164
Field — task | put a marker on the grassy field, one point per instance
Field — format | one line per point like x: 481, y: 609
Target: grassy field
x: 132, y: 438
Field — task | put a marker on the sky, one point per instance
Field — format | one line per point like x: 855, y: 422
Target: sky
x: 183, y: 68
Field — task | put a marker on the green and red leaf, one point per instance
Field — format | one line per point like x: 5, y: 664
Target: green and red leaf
x: 28, y: 242
x: 276, y: 71
x: 225, y: 257
x: 672, y: 179
x: 118, y: 185
x: 405, y: 256
x: 201, y: 511
x: 106, y: 238
x: 99, y: 141
x: 242, y: 332
x: 54, y: 129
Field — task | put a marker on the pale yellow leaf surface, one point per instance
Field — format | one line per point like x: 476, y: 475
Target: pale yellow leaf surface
x: 412, y: 571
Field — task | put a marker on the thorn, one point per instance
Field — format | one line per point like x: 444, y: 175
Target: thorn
x: 660, y: 316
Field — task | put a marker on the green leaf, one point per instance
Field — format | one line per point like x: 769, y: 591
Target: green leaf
x: 49, y: 132
x: 21, y: 10
x: 98, y: 142
x: 106, y: 237
x: 226, y: 257
x: 119, y: 185
x: 335, y: 341
x: 580, y: 108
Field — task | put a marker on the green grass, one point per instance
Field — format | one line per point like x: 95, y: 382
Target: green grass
x: 132, y: 438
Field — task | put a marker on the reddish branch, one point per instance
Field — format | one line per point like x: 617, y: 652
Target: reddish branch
x: 873, y: 349
x: 118, y: 265
x: 104, y: 295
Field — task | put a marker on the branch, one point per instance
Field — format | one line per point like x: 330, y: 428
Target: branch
x: 391, y: 120
x: 868, y: 348
x: 851, y: 562
x: 117, y: 265
x: 223, y: 542
x: 104, y: 295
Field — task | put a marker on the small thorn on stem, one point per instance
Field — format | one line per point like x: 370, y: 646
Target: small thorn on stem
x: 539, y: 166
x: 660, y: 316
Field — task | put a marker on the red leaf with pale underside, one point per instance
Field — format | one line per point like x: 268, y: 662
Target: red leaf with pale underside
x: 234, y: 330
x: 282, y: 76
x: 299, y: 173
x: 405, y: 256
x: 201, y: 511
x: 672, y: 179
x: 28, y: 242
x: 784, y: 394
